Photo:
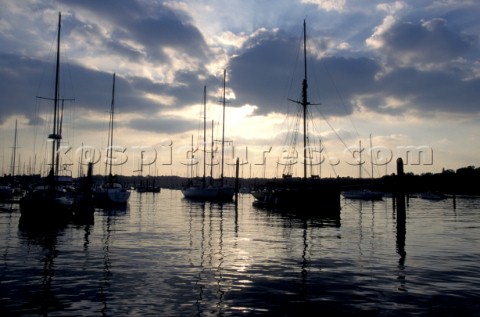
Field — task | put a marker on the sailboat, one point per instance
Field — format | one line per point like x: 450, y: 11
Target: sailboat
x: 111, y: 192
x: 52, y: 200
x: 364, y: 193
x: 307, y: 195
x: 225, y: 192
x: 200, y: 190
x: 146, y: 187
x: 7, y: 190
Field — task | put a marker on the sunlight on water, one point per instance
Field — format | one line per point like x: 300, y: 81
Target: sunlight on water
x: 164, y: 255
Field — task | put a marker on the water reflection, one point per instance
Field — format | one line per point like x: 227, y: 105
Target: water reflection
x: 165, y: 256
x: 206, y: 234
x: 110, y: 216
x: 284, y: 262
x: 400, y: 239
x: 41, y: 298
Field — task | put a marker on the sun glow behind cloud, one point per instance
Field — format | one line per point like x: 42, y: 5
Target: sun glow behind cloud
x: 400, y: 68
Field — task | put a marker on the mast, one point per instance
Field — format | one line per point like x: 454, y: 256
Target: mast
x: 360, y: 159
x: 14, y: 151
x: 223, y: 125
x: 110, y: 131
x: 212, y: 155
x: 55, y: 136
x: 371, y: 157
x: 305, y: 102
x: 204, y: 134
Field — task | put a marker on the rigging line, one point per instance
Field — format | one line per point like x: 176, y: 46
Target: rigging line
x: 339, y: 96
x: 292, y: 84
x: 68, y: 74
x: 331, y: 165
x: 334, y: 131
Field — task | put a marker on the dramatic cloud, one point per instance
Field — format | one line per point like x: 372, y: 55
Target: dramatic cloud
x: 396, y: 67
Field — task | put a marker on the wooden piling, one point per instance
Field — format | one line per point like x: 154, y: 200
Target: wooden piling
x: 401, y: 214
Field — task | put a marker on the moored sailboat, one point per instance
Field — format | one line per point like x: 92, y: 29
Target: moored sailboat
x: 305, y: 195
x: 111, y: 192
x: 52, y: 200
x: 201, y: 190
x: 364, y: 193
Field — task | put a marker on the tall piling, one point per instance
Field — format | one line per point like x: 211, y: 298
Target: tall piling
x: 400, y: 210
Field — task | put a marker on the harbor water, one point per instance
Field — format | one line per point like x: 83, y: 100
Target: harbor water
x: 167, y: 256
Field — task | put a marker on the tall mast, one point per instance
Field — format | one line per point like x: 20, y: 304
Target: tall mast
x: 371, y: 157
x: 204, y: 133
x: 305, y: 102
x: 212, y: 155
x: 55, y: 136
x: 223, y: 124
x: 14, y: 151
x: 360, y: 159
x: 110, y: 131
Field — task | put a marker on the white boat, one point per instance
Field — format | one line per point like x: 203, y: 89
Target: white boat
x: 363, y: 194
x: 214, y: 191
x: 200, y: 192
x: 111, y: 192
x: 433, y: 196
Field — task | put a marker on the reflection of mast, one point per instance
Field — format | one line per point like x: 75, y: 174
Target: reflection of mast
x: 198, y: 282
x: 46, y: 239
x: 106, y: 265
x: 401, y: 219
x: 304, y: 261
x: 220, y: 292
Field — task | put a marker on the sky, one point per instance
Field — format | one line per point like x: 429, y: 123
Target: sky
x: 386, y: 80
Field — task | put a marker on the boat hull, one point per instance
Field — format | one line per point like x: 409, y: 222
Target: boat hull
x: 114, y: 195
x: 46, y: 206
x: 200, y: 192
x: 363, y: 195
x: 209, y: 193
x: 300, y: 199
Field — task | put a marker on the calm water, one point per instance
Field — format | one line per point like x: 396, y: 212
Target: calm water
x: 164, y: 256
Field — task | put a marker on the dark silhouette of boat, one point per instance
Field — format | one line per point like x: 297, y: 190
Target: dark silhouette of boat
x: 307, y: 194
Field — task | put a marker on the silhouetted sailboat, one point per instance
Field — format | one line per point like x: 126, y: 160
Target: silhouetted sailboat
x: 195, y: 189
x: 364, y: 193
x: 202, y: 190
x: 311, y: 195
x: 53, y: 200
x: 111, y: 192
x: 225, y: 192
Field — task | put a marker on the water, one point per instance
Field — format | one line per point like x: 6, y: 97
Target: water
x: 164, y: 256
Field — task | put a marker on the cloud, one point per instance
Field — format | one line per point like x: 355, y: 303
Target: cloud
x: 427, y: 42
x: 328, y: 5
x: 141, y: 32
x: 265, y: 75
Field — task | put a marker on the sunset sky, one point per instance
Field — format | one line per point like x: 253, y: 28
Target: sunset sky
x: 402, y: 76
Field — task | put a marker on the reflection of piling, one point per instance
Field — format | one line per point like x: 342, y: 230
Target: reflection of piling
x: 84, y: 207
